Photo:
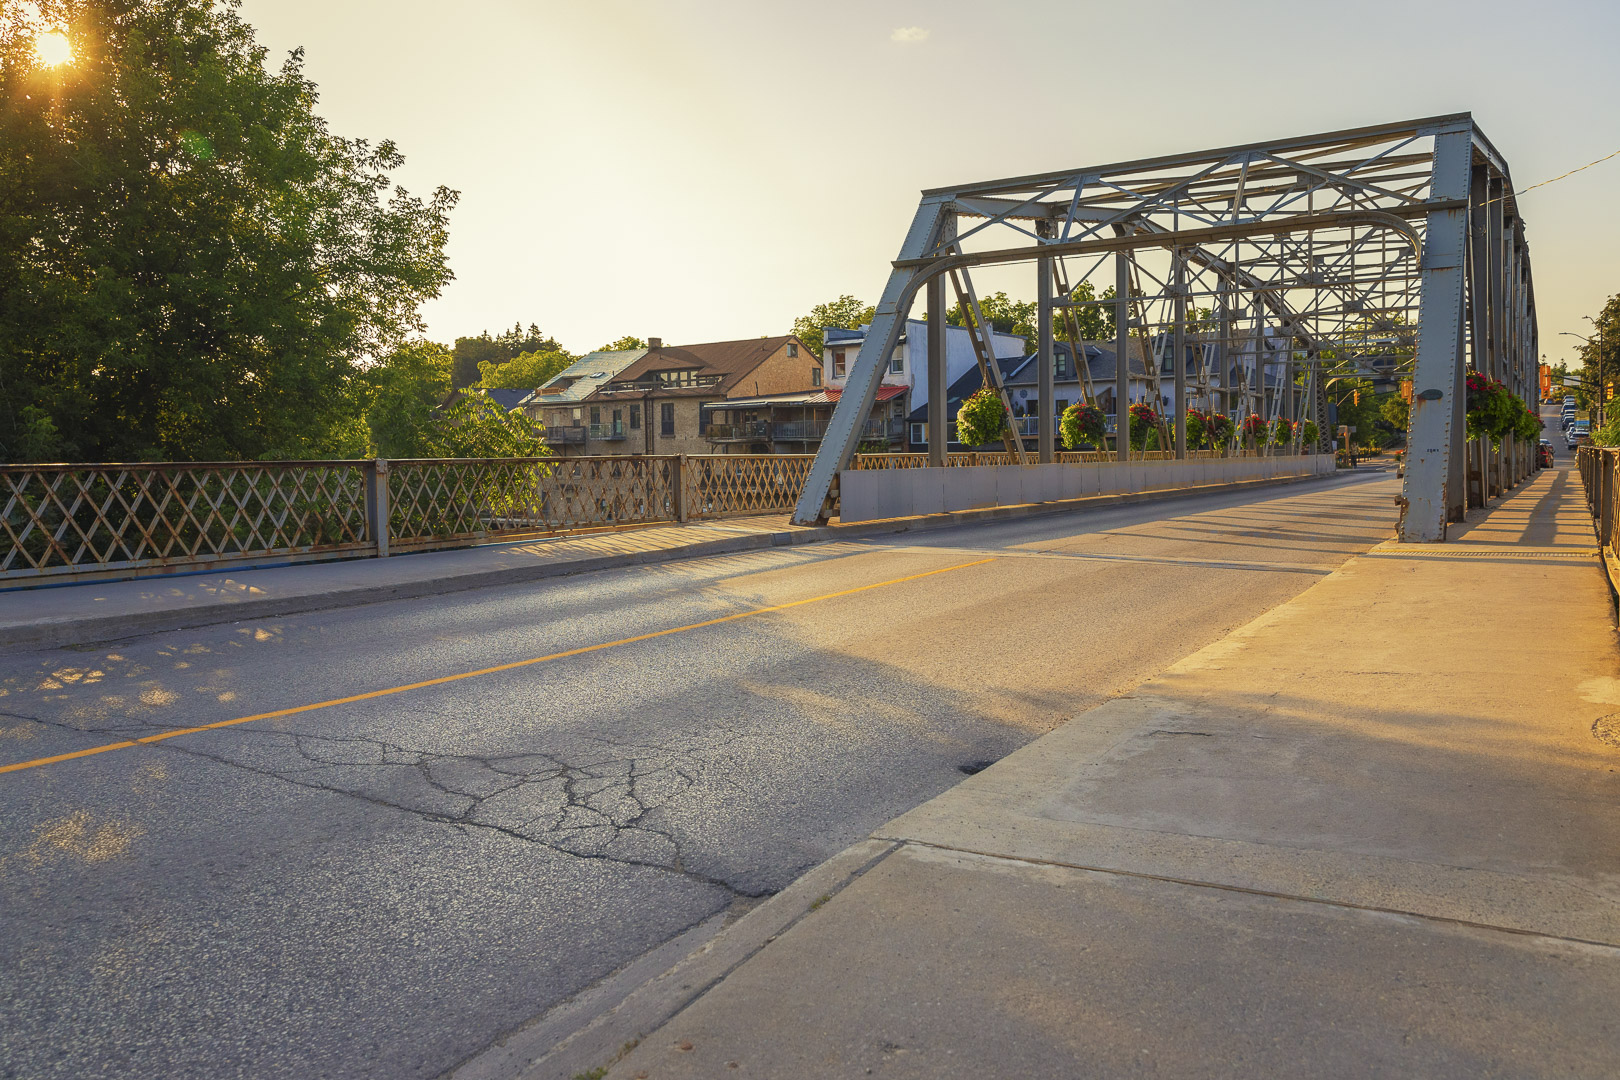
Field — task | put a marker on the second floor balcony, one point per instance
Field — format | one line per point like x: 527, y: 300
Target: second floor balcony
x: 566, y: 435
x: 612, y: 432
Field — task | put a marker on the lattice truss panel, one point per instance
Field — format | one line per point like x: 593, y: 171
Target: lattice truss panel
x: 733, y: 484
x: 437, y: 500
x: 58, y: 519
x: 1296, y: 256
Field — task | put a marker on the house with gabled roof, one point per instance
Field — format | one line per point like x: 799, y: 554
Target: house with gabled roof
x: 653, y: 403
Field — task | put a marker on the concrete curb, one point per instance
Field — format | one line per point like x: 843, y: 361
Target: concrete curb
x: 82, y: 631
x: 534, y: 1053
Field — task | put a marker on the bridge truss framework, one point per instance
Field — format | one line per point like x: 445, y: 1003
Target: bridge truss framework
x: 1280, y: 268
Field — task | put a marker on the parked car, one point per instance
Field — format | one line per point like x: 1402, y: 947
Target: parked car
x: 1579, y: 434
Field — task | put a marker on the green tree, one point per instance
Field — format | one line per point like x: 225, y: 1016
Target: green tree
x: 623, y: 344
x: 1600, y: 354
x: 476, y: 427
x: 472, y: 353
x: 525, y: 371
x: 1095, y: 323
x: 1005, y: 316
x: 406, y: 388
x: 191, y: 264
x: 846, y: 313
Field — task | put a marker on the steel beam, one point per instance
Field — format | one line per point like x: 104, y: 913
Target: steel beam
x: 860, y: 387
x: 1122, y: 352
x: 1436, y: 405
x: 1046, y: 356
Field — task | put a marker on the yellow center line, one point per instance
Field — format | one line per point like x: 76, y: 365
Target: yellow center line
x: 159, y: 737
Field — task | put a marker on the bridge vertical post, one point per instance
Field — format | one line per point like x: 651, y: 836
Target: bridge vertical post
x: 1223, y: 354
x: 938, y: 378
x: 1046, y: 353
x: 1178, y: 266
x: 1122, y: 363
x: 677, y: 488
x: 377, y: 513
x: 1437, y: 407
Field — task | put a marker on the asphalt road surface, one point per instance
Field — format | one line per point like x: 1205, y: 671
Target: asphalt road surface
x: 384, y: 885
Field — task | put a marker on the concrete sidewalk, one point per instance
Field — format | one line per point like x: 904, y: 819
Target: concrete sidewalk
x: 1375, y: 832
x: 101, y: 611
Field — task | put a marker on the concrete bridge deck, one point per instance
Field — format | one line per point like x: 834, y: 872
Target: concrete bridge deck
x: 1374, y: 832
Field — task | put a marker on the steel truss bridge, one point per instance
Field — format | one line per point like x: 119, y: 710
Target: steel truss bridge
x: 1280, y: 268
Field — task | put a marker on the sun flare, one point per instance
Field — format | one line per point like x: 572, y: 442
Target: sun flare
x: 53, y: 49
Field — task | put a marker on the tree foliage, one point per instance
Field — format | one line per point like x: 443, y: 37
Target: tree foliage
x: 846, y: 313
x: 525, y: 371
x: 405, y: 390
x: 1022, y: 317
x: 474, y: 426
x: 624, y: 344
x: 191, y: 264
x: 472, y: 353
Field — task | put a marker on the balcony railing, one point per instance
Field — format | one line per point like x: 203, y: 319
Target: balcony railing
x: 566, y: 436
x: 751, y: 430
x: 611, y: 432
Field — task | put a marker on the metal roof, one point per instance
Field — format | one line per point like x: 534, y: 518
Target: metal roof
x: 584, y: 376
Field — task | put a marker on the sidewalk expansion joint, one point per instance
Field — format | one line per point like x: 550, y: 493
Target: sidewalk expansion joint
x: 1346, y: 905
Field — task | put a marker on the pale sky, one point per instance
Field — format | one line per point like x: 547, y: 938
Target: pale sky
x: 702, y: 170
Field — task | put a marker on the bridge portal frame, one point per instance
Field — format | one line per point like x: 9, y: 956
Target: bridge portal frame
x: 1393, y: 251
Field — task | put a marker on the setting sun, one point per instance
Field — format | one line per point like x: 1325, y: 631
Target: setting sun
x: 53, y: 48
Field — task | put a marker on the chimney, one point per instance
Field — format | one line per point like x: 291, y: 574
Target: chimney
x: 655, y: 343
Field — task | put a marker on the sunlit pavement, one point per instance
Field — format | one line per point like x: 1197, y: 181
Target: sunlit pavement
x: 1376, y: 832
x: 384, y: 886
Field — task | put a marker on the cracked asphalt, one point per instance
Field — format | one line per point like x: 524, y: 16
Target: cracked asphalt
x: 385, y: 887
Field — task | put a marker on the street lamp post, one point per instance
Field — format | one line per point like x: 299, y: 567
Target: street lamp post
x: 1600, y: 380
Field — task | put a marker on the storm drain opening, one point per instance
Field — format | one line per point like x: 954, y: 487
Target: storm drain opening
x: 972, y: 767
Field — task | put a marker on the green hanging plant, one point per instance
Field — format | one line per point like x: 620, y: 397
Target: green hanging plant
x: 1083, y: 423
x: 982, y: 419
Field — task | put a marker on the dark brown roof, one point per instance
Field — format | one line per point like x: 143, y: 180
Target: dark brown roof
x: 660, y: 359
x: 734, y: 360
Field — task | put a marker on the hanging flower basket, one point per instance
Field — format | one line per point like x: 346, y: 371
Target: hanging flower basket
x: 1282, y: 432
x: 1083, y: 423
x: 1254, y: 429
x: 1312, y: 434
x: 1493, y: 409
x: 982, y: 419
x: 1220, y: 430
x: 1144, y: 422
x: 1198, y: 428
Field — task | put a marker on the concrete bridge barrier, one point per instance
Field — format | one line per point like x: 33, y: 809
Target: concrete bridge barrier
x: 868, y: 495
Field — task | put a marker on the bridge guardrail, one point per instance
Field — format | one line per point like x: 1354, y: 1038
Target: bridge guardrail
x: 1600, y: 477
x: 82, y: 521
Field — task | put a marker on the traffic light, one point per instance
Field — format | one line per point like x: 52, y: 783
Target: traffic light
x: 1355, y: 397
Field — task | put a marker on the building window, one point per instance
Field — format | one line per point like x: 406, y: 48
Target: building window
x: 897, y: 363
x: 1062, y: 405
x: 793, y: 351
x: 596, y: 416
x: 635, y: 418
x: 838, y: 363
x: 919, y: 434
x: 666, y: 418
x: 815, y: 376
